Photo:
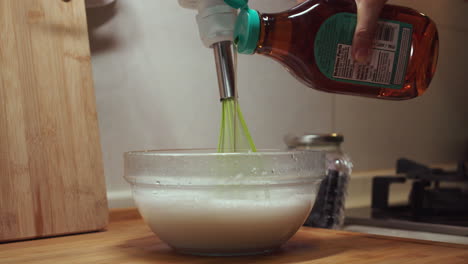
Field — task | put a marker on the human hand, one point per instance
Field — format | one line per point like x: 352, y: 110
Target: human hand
x: 368, y: 15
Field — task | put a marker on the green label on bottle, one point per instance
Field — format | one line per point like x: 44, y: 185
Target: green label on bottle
x: 389, y: 59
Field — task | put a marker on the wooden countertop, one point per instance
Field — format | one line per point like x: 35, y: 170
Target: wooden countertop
x: 129, y: 240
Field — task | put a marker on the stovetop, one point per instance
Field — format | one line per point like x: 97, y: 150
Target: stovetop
x: 364, y: 217
x: 437, y: 196
x: 437, y: 202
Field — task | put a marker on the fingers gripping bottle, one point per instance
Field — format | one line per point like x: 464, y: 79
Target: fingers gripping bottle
x: 313, y: 41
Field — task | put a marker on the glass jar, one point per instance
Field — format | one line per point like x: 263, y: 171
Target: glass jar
x: 328, y: 210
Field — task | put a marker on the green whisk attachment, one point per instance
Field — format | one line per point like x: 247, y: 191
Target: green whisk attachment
x: 234, y: 135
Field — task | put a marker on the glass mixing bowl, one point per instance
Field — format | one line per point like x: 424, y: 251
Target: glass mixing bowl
x: 206, y: 203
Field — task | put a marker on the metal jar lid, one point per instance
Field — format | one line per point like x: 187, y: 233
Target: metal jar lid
x: 308, y: 140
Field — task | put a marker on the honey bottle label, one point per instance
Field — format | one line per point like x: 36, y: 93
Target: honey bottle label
x: 389, y: 59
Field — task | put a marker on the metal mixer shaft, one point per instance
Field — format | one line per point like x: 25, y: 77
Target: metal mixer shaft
x: 225, y: 69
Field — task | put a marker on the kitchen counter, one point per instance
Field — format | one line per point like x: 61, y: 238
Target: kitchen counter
x: 129, y: 240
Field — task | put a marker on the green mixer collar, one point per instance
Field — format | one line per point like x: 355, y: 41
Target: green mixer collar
x: 237, y: 3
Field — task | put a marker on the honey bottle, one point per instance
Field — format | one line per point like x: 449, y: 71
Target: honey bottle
x: 313, y: 41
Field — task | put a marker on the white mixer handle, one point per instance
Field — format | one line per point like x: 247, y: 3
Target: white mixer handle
x: 216, y: 20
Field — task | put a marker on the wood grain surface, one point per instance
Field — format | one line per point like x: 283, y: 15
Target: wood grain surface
x: 129, y: 240
x: 51, y: 172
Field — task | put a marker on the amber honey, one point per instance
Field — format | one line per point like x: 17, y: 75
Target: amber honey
x: 289, y: 37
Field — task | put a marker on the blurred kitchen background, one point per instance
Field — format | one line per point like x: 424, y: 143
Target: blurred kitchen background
x: 156, y: 88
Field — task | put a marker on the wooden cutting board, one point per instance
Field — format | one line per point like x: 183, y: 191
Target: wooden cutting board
x: 51, y: 171
x: 129, y: 240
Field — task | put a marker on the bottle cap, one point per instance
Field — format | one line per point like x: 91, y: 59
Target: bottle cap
x: 237, y: 3
x: 247, y: 31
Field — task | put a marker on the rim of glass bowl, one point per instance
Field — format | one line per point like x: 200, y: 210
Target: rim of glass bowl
x: 213, y: 152
x: 278, y: 179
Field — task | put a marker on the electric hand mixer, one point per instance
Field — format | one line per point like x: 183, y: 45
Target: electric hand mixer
x: 216, y: 21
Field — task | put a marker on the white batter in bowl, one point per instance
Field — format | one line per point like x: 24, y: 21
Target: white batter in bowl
x: 206, y: 203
